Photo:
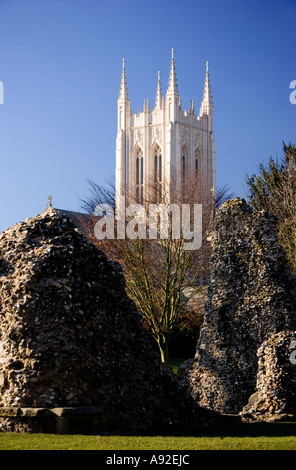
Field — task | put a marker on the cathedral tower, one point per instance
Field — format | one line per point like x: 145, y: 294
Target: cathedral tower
x: 155, y: 144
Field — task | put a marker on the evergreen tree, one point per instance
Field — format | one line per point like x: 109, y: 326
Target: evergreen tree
x: 274, y: 190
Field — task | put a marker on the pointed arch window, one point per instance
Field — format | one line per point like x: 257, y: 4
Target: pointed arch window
x: 184, y: 163
x: 196, y: 161
x: 139, y: 176
x: 158, y: 174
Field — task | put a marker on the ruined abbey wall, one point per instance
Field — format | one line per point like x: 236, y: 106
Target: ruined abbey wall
x: 251, y: 297
x: 71, y: 339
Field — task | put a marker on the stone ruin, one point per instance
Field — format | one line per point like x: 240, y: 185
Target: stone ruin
x: 275, y: 395
x: 74, y: 356
x: 251, y: 304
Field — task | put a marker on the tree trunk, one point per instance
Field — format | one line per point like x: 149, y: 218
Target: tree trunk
x: 163, y: 344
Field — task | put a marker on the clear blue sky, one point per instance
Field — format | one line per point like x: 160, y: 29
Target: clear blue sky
x: 60, y: 63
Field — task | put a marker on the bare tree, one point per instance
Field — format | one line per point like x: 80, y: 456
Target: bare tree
x: 223, y: 193
x: 162, y: 277
x: 98, y: 195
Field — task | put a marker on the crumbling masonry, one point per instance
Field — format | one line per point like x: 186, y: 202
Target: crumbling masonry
x: 74, y: 355
x: 251, y: 299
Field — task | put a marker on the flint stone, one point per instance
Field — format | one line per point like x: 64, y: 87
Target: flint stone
x: 251, y: 297
x: 275, y: 395
x: 71, y: 337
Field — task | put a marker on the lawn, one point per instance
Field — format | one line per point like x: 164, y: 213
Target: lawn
x: 280, y: 436
x: 257, y: 436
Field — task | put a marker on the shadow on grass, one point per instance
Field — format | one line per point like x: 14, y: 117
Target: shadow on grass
x: 238, y: 429
x: 282, y: 429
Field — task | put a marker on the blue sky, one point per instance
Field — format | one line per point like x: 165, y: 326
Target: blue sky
x: 60, y: 64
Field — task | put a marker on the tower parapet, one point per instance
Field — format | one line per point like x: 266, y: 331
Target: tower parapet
x: 181, y: 141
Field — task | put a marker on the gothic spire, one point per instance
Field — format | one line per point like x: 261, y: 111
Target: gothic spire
x: 192, y: 107
x: 123, y: 95
x: 158, y: 100
x: 207, y: 103
x: 173, y: 88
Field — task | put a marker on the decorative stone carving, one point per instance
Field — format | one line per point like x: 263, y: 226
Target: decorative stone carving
x: 156, y: 135
x: 138, y: 138
x: 170, y: 127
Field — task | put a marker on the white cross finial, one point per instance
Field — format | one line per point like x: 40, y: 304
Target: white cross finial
x: 123, y: 62
x: 207, y: 66
x: 158, y: 75
x: 172, y: 51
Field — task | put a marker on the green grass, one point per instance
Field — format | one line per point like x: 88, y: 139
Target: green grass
x: 259, y: 436
x: 175, y: 363
x: 281, y: 436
